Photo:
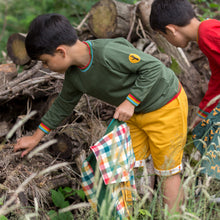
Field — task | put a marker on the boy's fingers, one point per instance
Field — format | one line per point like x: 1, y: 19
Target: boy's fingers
x: 17, y: 147
x: 24, y: 153
x: 116, y: 115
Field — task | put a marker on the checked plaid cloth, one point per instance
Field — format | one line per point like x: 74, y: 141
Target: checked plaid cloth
x: 113, y: 156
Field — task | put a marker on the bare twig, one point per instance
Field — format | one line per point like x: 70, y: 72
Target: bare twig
x: 19, y: 124
x: 133, y: 21
x: 75, y: 206
x: 83, y: 21
x: 40, y: 148
x: 53, y: 74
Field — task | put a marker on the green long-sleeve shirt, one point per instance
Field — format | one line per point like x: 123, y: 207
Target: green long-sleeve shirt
x: 117, y: 71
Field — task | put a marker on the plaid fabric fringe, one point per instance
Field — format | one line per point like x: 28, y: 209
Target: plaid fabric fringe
x: 115, y: 160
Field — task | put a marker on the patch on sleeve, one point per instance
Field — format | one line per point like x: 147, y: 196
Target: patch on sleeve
x: 134, y: 58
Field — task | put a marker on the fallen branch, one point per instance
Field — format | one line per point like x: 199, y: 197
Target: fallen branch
x: 26, y: 82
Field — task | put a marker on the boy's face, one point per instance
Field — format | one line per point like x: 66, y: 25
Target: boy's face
x: 56, y: 62
x: 176, y: 39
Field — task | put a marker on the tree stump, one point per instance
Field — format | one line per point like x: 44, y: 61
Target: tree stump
x: 110, y: 19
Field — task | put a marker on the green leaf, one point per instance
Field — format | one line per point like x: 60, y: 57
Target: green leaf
x: 67, y: 189
x: 66, y: 216
x: 81, y: 194
x: 213, y: 5
x: 59, y: 199
x: 2, y: 217
x: 145, y: 212
x: 53, y: 215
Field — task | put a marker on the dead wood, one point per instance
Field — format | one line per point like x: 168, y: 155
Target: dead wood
x: 8, y: 71
x: 4, y: 128
x: 15, y: 170
x: 63, y: 147
x: 110, y: 19
x: 16, y: 49
x: 27, y: 83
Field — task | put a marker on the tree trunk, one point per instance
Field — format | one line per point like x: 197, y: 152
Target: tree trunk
x: 110, y: 19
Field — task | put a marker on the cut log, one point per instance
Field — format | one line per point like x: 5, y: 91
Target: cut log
x: 110, y: 19
x: 16, y: 49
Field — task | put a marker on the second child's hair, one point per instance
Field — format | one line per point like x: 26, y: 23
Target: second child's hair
x: 47, y: 32
x: 164, y: 12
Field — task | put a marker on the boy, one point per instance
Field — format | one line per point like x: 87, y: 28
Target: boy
x: 148, y: 95
x: 176, y: 21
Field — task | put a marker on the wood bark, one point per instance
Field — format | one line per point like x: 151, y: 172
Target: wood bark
x: 110, y: 19
x: 8, y: 72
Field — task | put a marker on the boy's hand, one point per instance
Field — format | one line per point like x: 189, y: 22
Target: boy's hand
x: 124, y: 111
x: 29, y: 142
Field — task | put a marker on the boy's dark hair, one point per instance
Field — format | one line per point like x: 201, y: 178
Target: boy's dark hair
x: 164, y: 12
x: 47, y: 32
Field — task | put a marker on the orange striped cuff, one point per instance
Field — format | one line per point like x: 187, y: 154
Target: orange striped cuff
x: 133, y: 100
x: 44, y: 128
x: 202, y: 114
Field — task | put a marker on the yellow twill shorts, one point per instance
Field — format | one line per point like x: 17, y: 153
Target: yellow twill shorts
x: 161, y: 134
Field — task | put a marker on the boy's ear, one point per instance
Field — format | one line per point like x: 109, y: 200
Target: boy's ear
x: 61, y: 50
x: 171, y: 29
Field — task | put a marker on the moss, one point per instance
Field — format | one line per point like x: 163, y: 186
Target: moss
x: 161, y: 50
x: 175, y: 67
